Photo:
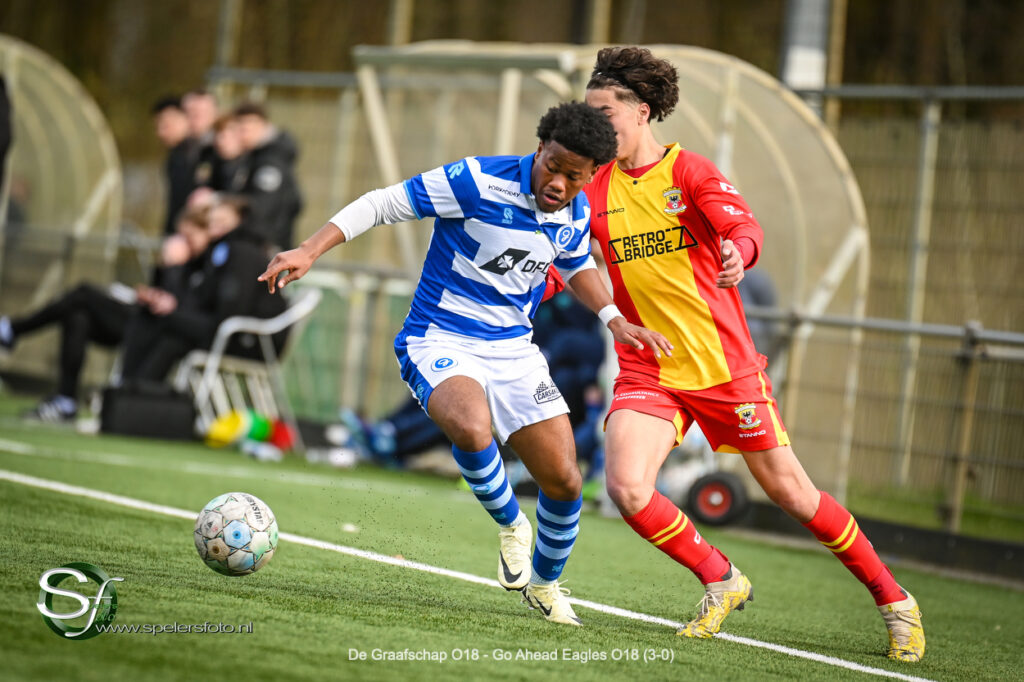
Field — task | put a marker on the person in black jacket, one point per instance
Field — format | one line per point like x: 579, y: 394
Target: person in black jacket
x: 271, y: 188
x: 229, y: 169
x: 88, y: 314
x: 223, y: 284
x: 173, y: 132
x: 200, y: 109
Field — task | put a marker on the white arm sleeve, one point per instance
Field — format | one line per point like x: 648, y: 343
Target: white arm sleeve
x: 569, y: 274
x: 377, y: 207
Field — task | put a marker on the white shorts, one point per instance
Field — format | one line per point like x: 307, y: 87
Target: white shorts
x: 513, y: 373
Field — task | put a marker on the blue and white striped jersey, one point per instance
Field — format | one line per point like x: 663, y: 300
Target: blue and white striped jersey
x: 484, y: 273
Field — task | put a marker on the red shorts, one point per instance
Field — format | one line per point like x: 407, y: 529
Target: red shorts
x: 740, y: 415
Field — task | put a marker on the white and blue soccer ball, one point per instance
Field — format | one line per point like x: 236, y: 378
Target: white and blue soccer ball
x: 236, y: 534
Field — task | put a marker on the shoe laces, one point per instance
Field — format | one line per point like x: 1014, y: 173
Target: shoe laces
x: 554, y: 591
x: 709, y: 601
x: 902, y: 622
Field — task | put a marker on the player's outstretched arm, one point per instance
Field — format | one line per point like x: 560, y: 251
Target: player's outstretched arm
x: 289, y: 266
x: 589, y: 288
x: 377, y: 207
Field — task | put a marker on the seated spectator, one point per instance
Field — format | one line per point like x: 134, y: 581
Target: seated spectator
x: 90, y: 314
x: 223, y: 284
x: 270, y: 188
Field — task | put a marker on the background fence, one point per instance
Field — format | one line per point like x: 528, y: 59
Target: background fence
x: 939, y: 406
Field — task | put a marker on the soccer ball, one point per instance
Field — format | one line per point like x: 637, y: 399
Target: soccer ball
x: 236, y: 534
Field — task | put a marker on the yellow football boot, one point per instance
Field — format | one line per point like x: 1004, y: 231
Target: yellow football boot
x: 906, y: 634
x: 720, y: 599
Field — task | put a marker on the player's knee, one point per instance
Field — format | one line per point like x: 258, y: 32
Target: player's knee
x: 468, y: 434
x: 630, y: 497
x: 794, y: 501
x: 567, y: 486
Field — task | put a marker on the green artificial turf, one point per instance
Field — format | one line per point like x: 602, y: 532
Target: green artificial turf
x: 318, y: 614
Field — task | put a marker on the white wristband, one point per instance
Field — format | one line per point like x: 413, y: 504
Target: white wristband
x: 608, y: 313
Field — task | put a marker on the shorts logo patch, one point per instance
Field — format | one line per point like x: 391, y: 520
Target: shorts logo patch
x: 442, y: 364
x: 546, y: 392
x: 748, y: 415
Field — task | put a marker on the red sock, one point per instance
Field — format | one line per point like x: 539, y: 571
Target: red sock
x: 836, y: 528
x: 666, y: 527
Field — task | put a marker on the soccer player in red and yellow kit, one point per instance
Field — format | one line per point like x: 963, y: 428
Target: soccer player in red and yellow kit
x: 676, y: 237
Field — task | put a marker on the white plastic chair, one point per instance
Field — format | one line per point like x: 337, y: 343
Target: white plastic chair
x: 221, y: 383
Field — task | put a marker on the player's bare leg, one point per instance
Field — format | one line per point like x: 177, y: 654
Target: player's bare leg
x: 548, y: 451
x: 636, y: 446
x: 783, y: 478
x: 459, y: 406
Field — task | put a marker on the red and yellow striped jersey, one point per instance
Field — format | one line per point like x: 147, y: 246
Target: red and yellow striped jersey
x: 660, y: 234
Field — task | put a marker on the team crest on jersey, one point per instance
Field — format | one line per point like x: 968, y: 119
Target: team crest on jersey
x: 748, y: 416
x: 673, y: 200
x: 564, y: 236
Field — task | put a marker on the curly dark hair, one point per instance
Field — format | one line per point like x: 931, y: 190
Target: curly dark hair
x: 639, y: 76
x: 581, y: 129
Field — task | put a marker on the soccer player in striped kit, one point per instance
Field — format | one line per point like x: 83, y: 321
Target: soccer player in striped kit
x: 676, y: 237
x: 465, y: 349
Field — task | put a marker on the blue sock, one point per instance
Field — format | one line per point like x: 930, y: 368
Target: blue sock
x: 557, y: 525
x: 485, y: 474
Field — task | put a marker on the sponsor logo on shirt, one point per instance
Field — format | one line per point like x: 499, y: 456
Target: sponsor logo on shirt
x: 610, y: 211
x: 647, y: 244
x: 546, y: 392
x: 505, y: 261
x: 732, y: 210
x: 510, y: 258
x: 673, y: 200
x: 503, y: 190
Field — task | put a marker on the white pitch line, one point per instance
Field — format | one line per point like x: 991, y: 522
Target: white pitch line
x: 132, y: 503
